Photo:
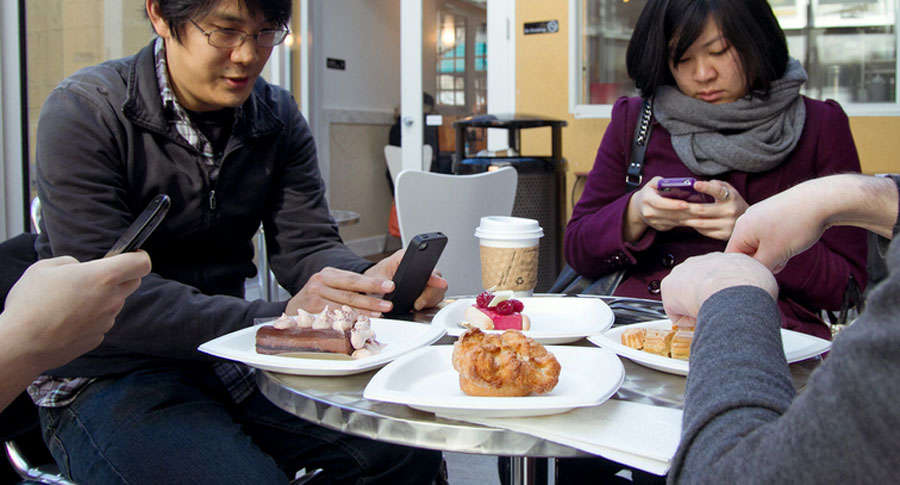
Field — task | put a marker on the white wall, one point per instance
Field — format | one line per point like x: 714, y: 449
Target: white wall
x: 351, y: 110
x: 366, y: 34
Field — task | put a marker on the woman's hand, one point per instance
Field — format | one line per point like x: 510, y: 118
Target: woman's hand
x: 716, y: 219
x: 649, y: 209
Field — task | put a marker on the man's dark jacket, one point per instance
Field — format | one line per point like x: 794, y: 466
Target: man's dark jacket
x: 105, y: 148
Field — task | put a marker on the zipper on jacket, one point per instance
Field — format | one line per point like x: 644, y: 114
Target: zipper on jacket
x: 212, y: 199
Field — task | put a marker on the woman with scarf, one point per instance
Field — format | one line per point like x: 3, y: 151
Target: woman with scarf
x: 727, y: 111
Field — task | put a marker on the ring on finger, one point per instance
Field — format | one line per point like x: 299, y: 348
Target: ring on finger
x: 727, y: 194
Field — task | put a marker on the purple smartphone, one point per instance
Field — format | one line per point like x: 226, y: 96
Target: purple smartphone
x: 682, y: 188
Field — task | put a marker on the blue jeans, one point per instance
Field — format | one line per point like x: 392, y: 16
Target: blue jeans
x: 178, y: 425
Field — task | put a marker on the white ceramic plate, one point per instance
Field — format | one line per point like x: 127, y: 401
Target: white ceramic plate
x: 398, y: 338
x: 554, y: 320
x: 797, y: 346
x: 426, y: 380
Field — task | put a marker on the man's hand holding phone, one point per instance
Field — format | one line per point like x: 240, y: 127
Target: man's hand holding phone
x: 414, y: 273
x: 365, y: 292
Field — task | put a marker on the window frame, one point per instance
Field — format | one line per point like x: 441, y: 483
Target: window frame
x: 582, y: 110
x: 13, y: 142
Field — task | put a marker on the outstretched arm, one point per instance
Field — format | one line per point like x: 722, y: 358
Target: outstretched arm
x: 811, y: 207
x: 60, y: 309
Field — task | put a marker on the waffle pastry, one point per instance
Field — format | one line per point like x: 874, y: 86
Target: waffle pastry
x: 674, y: 342
x: 681, y: 344
x: 634, y: 338
x: 658, y: 341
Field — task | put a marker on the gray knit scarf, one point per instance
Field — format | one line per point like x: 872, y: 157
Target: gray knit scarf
x: 750, y: 134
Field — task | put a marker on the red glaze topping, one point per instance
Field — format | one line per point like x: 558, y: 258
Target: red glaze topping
x: 505, y: 315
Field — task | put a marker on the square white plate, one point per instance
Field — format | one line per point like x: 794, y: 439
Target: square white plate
x: 398, y: 338
x: 554, y: 319
x: 425, y: 380
x: 797, y: 346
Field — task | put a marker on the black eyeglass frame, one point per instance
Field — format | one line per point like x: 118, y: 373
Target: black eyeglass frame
x: 243, y: 36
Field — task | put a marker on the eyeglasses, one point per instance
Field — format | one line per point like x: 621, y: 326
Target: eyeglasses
x: 230, y: 38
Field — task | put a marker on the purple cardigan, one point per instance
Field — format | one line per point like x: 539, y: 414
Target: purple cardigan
x: 813, y: 280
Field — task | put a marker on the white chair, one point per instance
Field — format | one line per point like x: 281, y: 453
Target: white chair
x: 393, y: 155
x: 36, y: 214
x: 454, y: 205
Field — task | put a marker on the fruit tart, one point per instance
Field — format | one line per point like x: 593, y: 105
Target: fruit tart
x: 496, y: 311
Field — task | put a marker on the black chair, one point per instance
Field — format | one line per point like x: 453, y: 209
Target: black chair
x: 20, y: 430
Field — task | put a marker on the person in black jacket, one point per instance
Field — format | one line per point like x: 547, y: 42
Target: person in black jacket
x: 189, y: 116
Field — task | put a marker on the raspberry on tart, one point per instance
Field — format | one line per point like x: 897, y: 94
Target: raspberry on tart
x: 496, y: 311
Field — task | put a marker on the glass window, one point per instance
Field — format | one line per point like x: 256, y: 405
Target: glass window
x: 451, y: 47
x: 461, y: 60
x: 848, y: 47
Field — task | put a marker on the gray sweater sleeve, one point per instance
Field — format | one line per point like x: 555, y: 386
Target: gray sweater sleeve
x: 742, y: 423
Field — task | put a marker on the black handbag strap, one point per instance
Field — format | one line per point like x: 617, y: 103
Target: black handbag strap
x: 642, y: 129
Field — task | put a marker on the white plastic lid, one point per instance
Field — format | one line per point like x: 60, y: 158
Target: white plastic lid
x: 508, y: 228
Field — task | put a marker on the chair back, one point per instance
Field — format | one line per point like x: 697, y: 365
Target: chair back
x: 36, y: 214
x: 454, y: 205
x: 393, y: 155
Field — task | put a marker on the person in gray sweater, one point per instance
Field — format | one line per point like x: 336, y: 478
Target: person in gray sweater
x: 743, y: 420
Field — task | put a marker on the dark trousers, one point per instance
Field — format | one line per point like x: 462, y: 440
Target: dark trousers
x: 583, y: 470
x: 171, y: 425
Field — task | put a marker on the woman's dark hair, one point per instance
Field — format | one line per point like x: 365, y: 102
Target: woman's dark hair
x: 667, y: 28
x: 177, y: 13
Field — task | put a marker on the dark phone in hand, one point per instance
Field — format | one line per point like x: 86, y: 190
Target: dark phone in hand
x: 415, y: 268
x: 682, y: 188
x: 142, y: 227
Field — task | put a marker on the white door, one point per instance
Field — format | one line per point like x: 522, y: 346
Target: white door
x: 500, y: 70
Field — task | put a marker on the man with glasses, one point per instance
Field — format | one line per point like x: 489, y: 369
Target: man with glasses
x: 189, y: 116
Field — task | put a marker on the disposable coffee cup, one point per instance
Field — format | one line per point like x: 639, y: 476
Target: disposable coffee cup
x: 509, y: 253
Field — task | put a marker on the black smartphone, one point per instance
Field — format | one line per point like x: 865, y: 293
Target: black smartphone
x: 415, y: 268
x: 682, y: 188
x: 142, y: 227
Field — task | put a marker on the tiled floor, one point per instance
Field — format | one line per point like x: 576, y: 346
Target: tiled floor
x: 464, y: 469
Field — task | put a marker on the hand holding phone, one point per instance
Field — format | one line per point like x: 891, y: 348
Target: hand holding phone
x: 138, y: 232
x: 415, y: 268
x: 682, y: 188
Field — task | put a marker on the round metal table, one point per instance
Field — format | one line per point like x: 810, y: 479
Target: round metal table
x: 337, y: 403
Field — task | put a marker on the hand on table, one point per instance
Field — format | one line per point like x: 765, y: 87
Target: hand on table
x: 690, y: 283
x: 60, y: 308
x: 363, y: 292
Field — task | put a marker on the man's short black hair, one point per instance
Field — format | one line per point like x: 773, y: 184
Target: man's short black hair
x: 177, y: 13
x: 667, y: 28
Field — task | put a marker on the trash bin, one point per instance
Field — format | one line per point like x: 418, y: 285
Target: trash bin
x: 540, y: 192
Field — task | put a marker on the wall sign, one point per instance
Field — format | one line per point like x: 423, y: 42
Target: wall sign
x: 545, y: 27
x: 338, y: 64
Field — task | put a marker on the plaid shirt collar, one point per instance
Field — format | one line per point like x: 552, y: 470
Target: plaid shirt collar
x: 176, y: 114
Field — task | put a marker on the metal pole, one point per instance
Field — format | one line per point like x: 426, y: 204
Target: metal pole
x: 521, y: 470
